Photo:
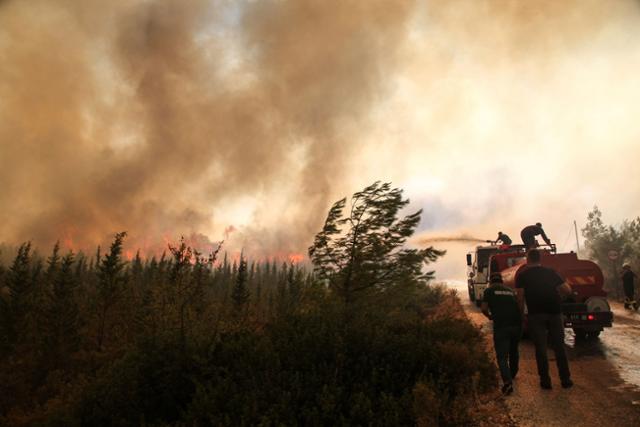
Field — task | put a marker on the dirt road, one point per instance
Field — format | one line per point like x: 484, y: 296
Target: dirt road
x: 606, y: 373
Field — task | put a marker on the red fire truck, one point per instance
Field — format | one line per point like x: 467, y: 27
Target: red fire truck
x: 587, y: 311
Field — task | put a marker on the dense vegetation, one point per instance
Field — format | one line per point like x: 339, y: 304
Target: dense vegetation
x: 188, y: 339
x: 601, y: 239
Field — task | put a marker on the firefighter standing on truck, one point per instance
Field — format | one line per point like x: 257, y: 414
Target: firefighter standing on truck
x: 506, y: 240
x: 627, y: 284
x: 529, y: 233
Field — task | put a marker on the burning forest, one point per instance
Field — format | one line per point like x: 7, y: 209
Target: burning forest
x: 175, y: 248
x: 189, y: 338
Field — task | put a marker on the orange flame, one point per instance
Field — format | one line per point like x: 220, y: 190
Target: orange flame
x: 296, y: 258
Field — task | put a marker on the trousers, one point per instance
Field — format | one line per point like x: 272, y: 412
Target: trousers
x: 543, y: 327
x: 505, y: 341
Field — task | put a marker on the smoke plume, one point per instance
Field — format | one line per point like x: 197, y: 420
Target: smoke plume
x: 156, y: 116
x: 166, y: 117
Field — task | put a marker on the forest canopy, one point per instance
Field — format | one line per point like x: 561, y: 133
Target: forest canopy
x: 201, y: 339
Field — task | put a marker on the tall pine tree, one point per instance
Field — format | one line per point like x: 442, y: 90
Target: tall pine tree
x: 240, y: 294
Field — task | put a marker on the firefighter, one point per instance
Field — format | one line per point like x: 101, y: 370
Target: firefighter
x: 506, y: 240
x: 499, y: 304
x: 544, y: 289
x: 529, y: 233
x: 627, y: 283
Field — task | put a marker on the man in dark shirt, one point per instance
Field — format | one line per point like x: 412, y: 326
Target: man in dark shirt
x: 627, y: 284
x: 543, y: 291
x: 506, y: 240
x: 499, y: 304
x: 529, y: 233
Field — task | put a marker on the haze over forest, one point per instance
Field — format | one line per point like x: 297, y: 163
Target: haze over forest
x: 247, y: 119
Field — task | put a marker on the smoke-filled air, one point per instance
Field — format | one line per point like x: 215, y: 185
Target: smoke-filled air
x: 245, y: 120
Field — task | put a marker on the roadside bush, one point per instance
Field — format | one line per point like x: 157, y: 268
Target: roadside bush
x: 303, y: 369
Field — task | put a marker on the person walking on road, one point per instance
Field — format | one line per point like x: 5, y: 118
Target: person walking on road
x: 506, y: 240
x: 499, y: 304
x: 627, y: 283
x: 529, y: 233
x: 543, y: 292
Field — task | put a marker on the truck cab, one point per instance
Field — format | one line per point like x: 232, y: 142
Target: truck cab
x: 478, y: 271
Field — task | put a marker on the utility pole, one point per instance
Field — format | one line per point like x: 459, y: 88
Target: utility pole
x: 575, y: 226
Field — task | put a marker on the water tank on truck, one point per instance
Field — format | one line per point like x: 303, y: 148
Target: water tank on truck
x: 586, y: 311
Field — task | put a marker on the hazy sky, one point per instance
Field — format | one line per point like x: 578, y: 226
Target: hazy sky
x: 169, y: 117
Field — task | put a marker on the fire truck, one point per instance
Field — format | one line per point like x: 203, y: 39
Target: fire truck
x: 586, y: 311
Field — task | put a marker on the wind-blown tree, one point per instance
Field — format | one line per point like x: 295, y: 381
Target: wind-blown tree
x: 364, y: 249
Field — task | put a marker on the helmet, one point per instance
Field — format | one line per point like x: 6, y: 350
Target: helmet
x: 626, y: 265
x: 539, y: 224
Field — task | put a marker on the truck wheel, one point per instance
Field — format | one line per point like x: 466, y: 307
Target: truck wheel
x: 580, y: 334
x: 472, y: 295
x: 478, y: 303
x: 594, y: 334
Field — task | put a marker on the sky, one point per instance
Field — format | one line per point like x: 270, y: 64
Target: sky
x: 246, y: 120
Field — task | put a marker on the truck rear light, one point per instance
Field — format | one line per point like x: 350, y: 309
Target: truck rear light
x: 590, y: 317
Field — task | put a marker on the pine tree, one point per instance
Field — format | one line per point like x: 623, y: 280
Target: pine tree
x: 20, y: 283
x: 62, y: 315
x: 282, y: 295
x: 294, y: 285
x: 53, y: 262
x: 137, y: 268
x: 111, y: 280
x: 240, y: 294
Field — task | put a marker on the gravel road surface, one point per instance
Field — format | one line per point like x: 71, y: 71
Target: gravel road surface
x: 606, y: 373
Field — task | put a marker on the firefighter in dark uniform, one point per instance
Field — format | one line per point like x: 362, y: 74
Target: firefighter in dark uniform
x: 506, y: 240
x: 627, y: 284
x: 499, y: 304
x: 529, y: 233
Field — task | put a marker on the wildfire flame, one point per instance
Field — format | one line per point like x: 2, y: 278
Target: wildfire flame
x: 296, y: 258
x: 148, y: 247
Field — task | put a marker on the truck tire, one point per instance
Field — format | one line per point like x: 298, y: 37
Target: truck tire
x: 594, y: 334
x: 472, y: 295
x: 478, y: 303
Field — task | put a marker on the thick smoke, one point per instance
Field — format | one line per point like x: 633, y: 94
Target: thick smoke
x: 168, y: 117
x: 509, y: 113
x: 151, y: 116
